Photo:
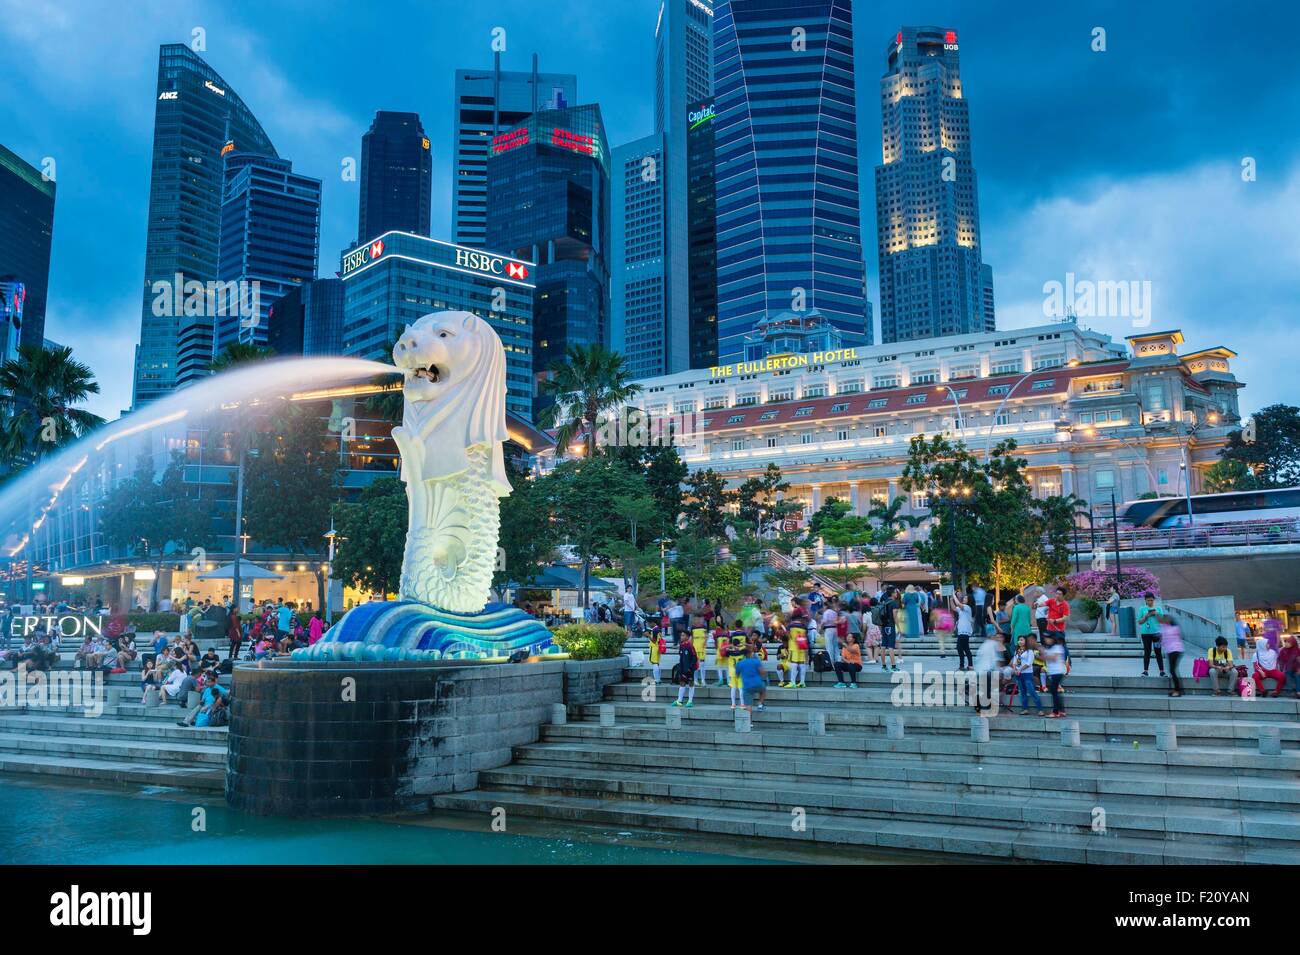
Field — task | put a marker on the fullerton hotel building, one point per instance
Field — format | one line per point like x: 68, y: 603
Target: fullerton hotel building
x: 1091, y: 416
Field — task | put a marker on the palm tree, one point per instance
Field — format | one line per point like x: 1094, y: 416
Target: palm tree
x: 590, y: 380
x: 38, y: 389
x: 239, y: 353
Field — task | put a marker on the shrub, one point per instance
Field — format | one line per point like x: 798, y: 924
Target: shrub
x: 590, y: 641
x: 1090, y: 609
x: 147, y: 622
x: 1133, y: 582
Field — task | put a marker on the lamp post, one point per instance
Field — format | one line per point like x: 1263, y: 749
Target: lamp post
x: 957, y: 402
x: 239, y: 528
x: 988, y: 439
x: 663, y: 571
x: 1114, y: 517
x: 332, y: 537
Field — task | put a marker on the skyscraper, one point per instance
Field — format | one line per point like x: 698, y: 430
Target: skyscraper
x: 487, y: 102
x: 785, y: 135
x: 308, y: 319
x: 702, y: 235
x: 932, y: 279
x: 196, y: 116
x: 26, y: 232
x: 270, y: 235
x: 638, y: 274
x: 548, y: 203
x: 396, y: 177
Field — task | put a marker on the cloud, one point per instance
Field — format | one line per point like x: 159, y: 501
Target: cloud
x: 1222, y: 256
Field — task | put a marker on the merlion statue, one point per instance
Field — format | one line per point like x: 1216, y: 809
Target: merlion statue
x: 451, y: 437
x: 453, y: 427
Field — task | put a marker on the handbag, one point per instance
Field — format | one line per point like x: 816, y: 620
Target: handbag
x: 1200, y: 668
x: 943, y: 620
x: 801, y: 642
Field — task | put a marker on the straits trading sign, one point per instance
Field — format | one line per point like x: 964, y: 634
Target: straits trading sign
x: 778, y: 362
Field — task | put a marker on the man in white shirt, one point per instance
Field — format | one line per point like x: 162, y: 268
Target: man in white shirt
x: 1040, y: 613
x: 629, y: 610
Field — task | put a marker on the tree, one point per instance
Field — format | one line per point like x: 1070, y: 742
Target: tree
x: 372, y: 536
x: 156, y: 516
x: 848, y: 530
x: 291, y: 484
x: 665, y: 472
x: 832, y: 510
x: 707, y: 502
x: 635, y: 511
x: 696, y: 554
x: 724, y: 586
x: 527, y: 536
x: 239, y: 353
x: 1273, y: 457
x: 589, y: 382
x: 38, y: 389
x: 886, y: 524
x: 758, y: 501
x: 1229, y: 474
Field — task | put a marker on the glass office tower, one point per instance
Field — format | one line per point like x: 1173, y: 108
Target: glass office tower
x: 196, y: 117
x: 487, y: 102
x: 396, y: 177
x: 308, y: 319
x: 26, y: 233
x: 548, y: 201
x: 701, y: 219
x: 785, y: 134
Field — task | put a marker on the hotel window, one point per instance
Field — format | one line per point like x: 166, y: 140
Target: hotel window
x: 958, y: 374
x: 916, y: 399
x: 738, y: 444
x: 881, y: 430
x: 714, y: 404
x: 1116, y: 415
x: 804, y: 412
x: 841, y: 435
x: 1154, y: 396
x: 885, y: 381
x: 806, y: 438
x: 814, y: 391
x: 1103, y: 479
x: 877, y: 402
x: 920, y: 501
x: 1007, y: 367
x: 771, y: 442
x: 999, y: 390
x: 768, y: 415
x: 843, y: 406
x: 959, y: 394
x: 1048, y: 361
x: 849, y: 387
x: 1086, y: 419
x: 685, y: 407
x: 706, y: 422
x: 1043, y: 385
x: 925, y: 378
x: 785, y: 394
x: 1003, y: 418
x: 736, y: 419
x: 747, y: 400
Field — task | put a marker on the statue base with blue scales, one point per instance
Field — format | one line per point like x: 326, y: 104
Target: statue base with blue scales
x: 451, y: 437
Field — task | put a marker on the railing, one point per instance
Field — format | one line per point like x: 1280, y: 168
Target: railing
x: 1261, y: 533
x: 779, y: 561
x: 1198, y: 630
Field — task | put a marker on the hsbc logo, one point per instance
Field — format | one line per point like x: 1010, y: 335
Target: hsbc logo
x: 490, y: 264
x: 376, y: 249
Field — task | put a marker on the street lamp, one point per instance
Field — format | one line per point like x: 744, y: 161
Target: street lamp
x: 239, y: 528
x: 663, y: 572
x: 957, y: 402
x: 988, y: 440
x: 333, y: 538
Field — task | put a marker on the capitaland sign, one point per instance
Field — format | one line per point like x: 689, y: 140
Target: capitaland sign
x: 698, y: 117
x: 779, y: 362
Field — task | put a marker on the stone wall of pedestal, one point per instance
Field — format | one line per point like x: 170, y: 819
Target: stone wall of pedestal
x: 353, y: 738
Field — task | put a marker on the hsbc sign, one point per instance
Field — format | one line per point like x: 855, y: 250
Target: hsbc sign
x: 362, y: 256
x: 491, y: 264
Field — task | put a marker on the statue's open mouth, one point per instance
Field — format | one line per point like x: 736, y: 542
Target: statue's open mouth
x: 432, y: 373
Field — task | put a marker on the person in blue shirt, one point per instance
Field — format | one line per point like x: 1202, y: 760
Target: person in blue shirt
x: 159, y: 642
x: 752, y: 684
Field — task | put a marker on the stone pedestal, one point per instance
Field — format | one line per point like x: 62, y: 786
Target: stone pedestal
x: 559, y: 714
x: 606, y: 714
x: 979, y: 729
x: 151, y: 696
x: 1270, y: 741
x: 817, y: 724
x: 744, y: 721
x: 894, y: 726
x: 1166, y: 737
x: 1070, y: 733
x: 673, y: 718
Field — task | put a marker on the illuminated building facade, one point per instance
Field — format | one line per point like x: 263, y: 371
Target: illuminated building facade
x: 932, y: 279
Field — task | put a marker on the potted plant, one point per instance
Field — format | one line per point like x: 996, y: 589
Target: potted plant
x: 1090, y: 611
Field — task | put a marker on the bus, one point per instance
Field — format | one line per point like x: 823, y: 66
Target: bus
x: 1282, y: 504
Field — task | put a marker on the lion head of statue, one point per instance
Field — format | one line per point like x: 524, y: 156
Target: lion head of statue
x: 454, y: 385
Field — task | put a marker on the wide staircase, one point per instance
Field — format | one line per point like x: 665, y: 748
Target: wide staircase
x: 1129, y: 792
x: 125, y: 743
x: 1082, y: 645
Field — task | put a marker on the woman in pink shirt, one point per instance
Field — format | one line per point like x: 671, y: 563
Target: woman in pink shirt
x: 315, y: 629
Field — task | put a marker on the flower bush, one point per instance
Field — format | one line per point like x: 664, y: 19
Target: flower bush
x: 1096, y: 584
x: 590, y: 641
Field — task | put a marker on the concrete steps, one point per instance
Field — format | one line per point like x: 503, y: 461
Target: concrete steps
x: 1021, y: 795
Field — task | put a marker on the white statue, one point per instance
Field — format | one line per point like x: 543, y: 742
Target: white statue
x: 453, y: 427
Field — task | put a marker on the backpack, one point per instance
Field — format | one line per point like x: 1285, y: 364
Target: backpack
x: 821, y: 662
x: 877, y: 614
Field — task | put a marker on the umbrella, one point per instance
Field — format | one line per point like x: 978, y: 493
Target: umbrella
x: 247, y: 571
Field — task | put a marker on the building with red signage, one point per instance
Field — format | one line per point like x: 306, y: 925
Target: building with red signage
x: 548, y: 185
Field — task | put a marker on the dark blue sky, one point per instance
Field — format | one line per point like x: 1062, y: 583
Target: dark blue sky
x: 1118, y: 166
